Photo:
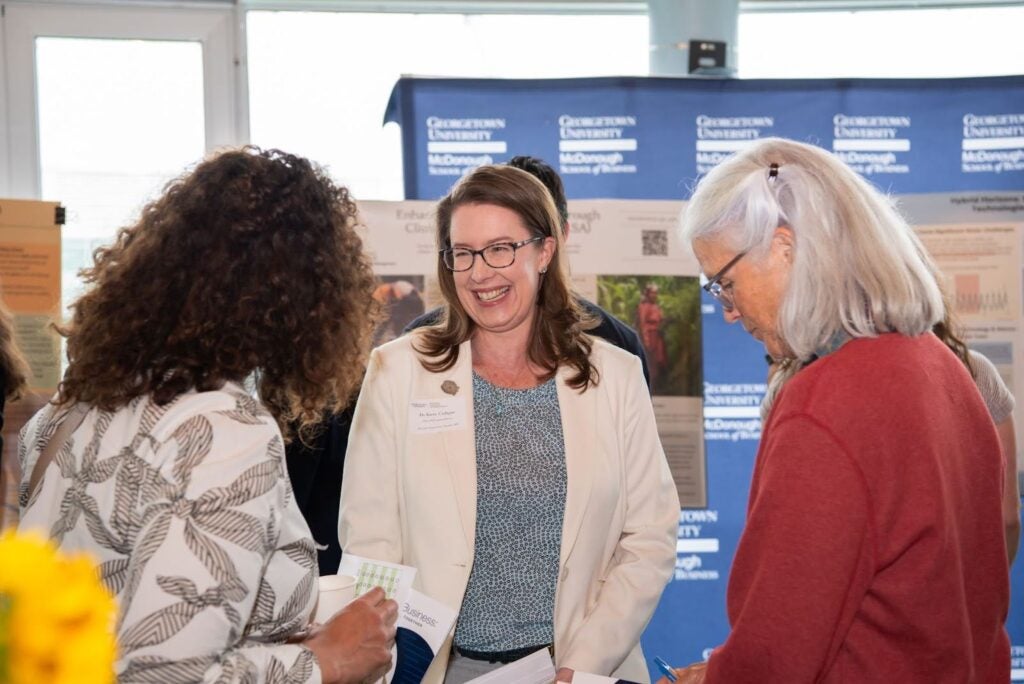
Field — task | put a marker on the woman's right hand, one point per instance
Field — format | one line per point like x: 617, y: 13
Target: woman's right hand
x: 355, y: 645
x: 694, y: 674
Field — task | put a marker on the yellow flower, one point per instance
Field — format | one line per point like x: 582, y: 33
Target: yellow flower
x: 56, y: 618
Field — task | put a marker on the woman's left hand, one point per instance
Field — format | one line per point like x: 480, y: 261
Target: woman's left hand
x: 564, y: 674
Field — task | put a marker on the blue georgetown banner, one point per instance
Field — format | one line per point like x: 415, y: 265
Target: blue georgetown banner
x: 649, y: 138
x: 652, y: 138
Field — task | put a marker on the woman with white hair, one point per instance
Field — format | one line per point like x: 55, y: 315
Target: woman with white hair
x: 873, y: 548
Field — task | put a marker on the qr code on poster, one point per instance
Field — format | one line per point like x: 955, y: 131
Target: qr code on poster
x: 655, y: 242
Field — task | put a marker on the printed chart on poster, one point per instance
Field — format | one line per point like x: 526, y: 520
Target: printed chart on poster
x: 977, y: 242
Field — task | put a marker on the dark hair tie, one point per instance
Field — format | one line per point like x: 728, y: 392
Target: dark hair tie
x: 773, y: 171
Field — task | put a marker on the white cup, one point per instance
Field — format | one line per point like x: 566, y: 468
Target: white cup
x: 336, y: 592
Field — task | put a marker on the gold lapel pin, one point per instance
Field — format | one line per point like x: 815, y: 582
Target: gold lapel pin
x: 449, y: 387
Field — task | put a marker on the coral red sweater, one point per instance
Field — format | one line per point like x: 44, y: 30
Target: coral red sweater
x: 873, y: 549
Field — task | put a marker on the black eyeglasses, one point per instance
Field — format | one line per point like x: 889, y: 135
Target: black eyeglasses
x: 714, y: 288
x: 498, y: 255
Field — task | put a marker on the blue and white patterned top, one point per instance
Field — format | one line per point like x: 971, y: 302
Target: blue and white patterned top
x: 520, y: 489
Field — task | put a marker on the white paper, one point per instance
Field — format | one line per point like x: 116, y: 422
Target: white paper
x: 423, y: 627
x: 536, y: 668
x: 587, y: 678
x: 427, y: 416
x: 395, y: 579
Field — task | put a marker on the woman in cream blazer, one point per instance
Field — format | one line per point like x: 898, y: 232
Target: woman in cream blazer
x: 409, y: 493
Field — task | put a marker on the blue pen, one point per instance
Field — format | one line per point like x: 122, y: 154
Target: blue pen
x: 665, y: 668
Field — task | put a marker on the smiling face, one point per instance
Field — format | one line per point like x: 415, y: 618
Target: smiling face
x: 499, y: 300
x: 757, y: 285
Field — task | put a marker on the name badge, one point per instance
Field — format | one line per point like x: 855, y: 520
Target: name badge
x: 428, y: 416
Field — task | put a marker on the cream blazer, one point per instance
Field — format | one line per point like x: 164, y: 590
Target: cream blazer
x: 409, y: 497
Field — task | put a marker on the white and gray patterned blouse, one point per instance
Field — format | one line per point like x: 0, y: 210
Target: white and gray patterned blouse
x: 993, y: 390
x: 189, y: 510
x: 521, y: 485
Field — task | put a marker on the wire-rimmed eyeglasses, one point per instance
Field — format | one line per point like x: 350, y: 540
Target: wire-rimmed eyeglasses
x: 498, y: 255
x: 714, y: 287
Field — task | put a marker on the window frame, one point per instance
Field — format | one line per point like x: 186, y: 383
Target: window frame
x: 214, y: 27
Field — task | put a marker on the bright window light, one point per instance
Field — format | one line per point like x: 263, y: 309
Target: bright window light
x: 319, y: 81
x: 913, y: 43
x: 107, y: 145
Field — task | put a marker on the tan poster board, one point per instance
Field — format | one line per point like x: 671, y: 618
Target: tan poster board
x: 30, y: 273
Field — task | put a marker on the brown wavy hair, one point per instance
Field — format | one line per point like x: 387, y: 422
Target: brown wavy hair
x: 950, y: 332
x: 250, y: 264
x: 14, y: 369
x: 559, y: 323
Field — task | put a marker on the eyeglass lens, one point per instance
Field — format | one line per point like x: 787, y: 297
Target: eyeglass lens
x: 496, y: 256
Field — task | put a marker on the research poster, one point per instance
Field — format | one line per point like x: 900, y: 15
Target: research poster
x: 30, y: 286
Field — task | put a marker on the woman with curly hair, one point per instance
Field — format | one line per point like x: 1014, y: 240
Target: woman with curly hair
x: 171, y: 473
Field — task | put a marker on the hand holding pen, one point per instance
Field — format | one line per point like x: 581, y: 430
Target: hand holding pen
x: 694, y: 674
x: 666, y: 669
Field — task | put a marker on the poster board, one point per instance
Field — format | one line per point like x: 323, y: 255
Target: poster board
x: 30, y: 278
